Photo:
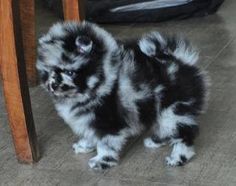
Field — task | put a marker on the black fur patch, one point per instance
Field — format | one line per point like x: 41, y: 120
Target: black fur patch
x: 156, y: 139
x: 187, y: 133
x: 147, y: 111
x: 108, y: 119
x: 109, y: 159
x: 183, y: 158
x: 66, y: 87
x: 65, y: 58
x: 104, y: 166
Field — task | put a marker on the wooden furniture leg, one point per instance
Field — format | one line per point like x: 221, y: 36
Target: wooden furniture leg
x: 15, y: 87
x: 73, y: 10
x: 27, y: 20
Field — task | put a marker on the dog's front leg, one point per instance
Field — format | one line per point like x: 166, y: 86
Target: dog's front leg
x: 108, y: 150
x: 84, y: 145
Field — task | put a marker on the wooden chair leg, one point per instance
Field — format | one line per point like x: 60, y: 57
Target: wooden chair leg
x: 73, y: 10
x: 15, y: 87
x: 27, y: 20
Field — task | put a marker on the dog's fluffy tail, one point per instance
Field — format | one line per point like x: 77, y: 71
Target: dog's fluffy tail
x: 154, y: 43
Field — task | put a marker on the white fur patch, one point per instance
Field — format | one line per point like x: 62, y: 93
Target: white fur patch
x: 116, y: 142
x: 78, y: 62
x: 157, y: 36
x: 51, y: 53
x: 129, y: 97
x: 92, y: 81
x: 41, y: 66
x: 179, y: 149
x: 67, y: 80
x: 168, y: 122
x: 158, y: 89
x: 109, y: 146
x: 79, y: 124
x: 97, y: 163
x: 110, y: 71
x: 147, y: 43
x: 149, y: 143
x: 84, y: 145
x: 44, y: 38
x: 171, y: 70
x: 147, y: 47
x: 187, y: 54
x: 57, y: 30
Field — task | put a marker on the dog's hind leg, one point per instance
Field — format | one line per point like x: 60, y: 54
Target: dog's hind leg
x: 177, y: 125
x: 177, y: 122
x: 185, y: 134
x: 181, y: 153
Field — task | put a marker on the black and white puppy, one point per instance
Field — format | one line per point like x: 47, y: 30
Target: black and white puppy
x: 108, y: 91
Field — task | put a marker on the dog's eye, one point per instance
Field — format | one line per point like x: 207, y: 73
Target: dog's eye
x: 69, y: 72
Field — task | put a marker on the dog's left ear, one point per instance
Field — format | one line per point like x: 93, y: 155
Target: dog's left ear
x: 84, y: 44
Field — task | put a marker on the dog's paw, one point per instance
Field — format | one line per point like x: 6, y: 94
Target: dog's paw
x: 149, y: 143
x: 102, y: 163
x: 78, y: 148
x: 174, y: 161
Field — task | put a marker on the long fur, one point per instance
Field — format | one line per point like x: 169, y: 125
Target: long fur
x: 108, y: 91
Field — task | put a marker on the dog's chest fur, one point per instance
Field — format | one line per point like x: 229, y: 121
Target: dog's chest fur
x: 78, y: 123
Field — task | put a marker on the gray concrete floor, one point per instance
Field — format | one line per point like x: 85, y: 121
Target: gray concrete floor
x: 215, y: 162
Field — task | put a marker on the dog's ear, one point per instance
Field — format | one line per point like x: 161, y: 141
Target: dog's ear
x: 84, y: 44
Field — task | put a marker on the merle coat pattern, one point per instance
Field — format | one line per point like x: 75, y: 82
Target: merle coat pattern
x: 108, y: 91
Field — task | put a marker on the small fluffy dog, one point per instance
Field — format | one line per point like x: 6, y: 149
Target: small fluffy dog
x: 108, y: 91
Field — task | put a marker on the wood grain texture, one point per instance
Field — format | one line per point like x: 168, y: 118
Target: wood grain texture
x: 27, y: 20
x: 73, y: 10
x: 15, y: 85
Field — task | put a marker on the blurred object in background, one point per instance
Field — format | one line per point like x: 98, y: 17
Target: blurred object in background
x: 124, y: 11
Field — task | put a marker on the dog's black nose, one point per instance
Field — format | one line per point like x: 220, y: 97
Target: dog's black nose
x: 54, y: 86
